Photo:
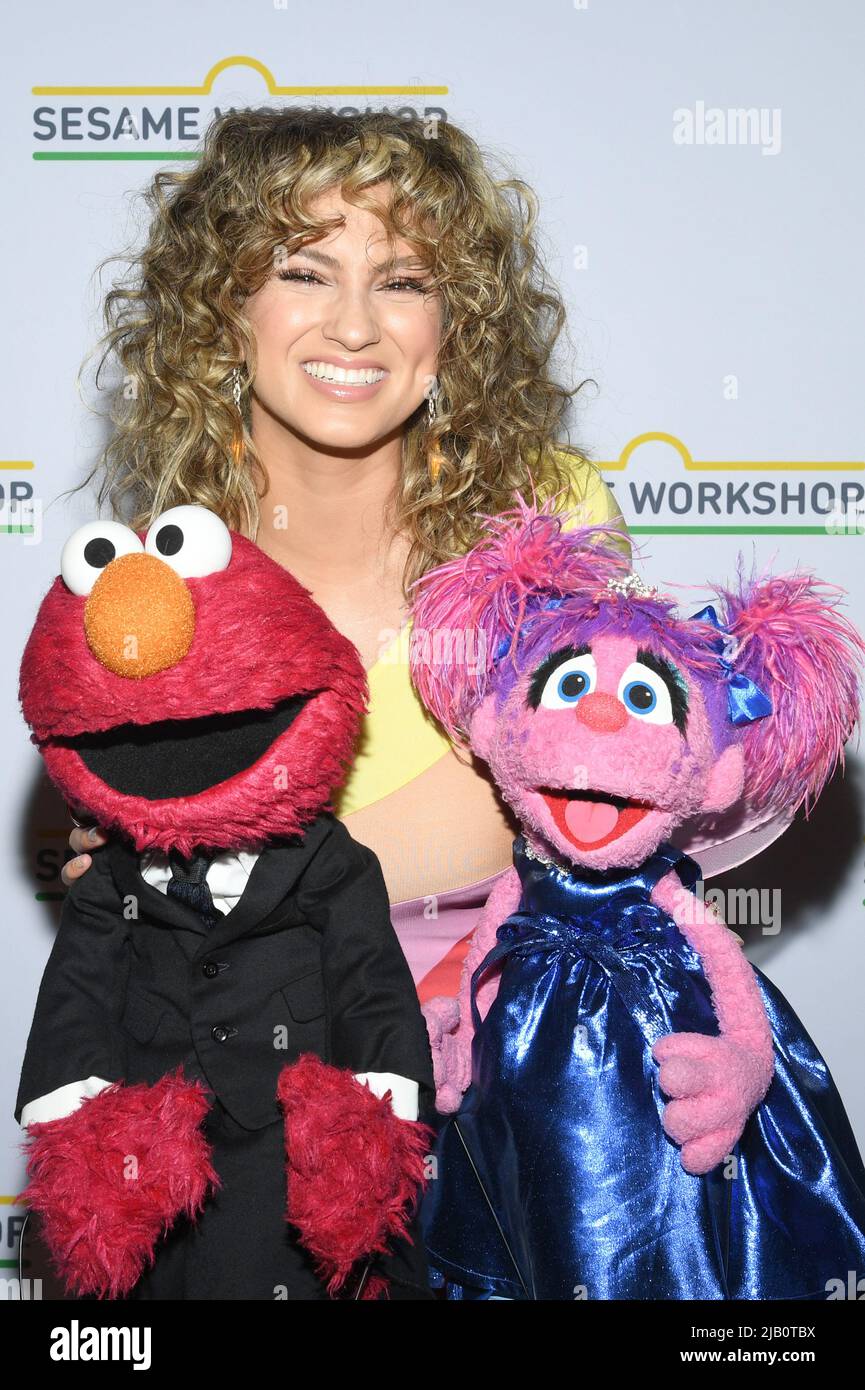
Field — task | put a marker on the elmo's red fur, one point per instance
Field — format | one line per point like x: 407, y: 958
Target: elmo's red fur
x: 354, y: 1169
x: 108, y: 1180
x: 259, y: 639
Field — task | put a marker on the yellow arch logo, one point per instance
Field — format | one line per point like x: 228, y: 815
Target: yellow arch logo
x: 703, y: 499
x: 729, y: 466
x: 241, y: 60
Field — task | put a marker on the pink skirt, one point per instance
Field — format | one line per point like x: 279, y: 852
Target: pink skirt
x: 434, y: 932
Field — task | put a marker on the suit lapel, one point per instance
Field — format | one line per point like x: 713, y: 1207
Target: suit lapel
x: 273, y: 875
x: 153, y: 905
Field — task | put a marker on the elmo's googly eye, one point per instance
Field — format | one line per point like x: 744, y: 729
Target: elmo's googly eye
x: 89, y: 549
x: 570, y: 681
x: 192, y: 540
x: 645, y: 694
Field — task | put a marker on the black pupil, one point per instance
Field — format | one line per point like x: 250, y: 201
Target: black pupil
x: 99, y: 552
x: 574, y: 683
x: 641, y: 696
x: 169, y: 540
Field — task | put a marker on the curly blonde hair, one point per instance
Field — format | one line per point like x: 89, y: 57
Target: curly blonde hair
x: 177, y: 329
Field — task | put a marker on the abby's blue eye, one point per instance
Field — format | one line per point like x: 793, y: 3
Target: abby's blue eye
x: 646, y: 694
x: 573, y: 684
x: 639, y: 697
x: 569, y: 681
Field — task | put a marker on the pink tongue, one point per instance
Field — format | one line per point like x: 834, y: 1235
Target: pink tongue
x: 589, y: 821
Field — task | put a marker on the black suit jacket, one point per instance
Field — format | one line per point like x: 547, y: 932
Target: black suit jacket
x: 306, y: 961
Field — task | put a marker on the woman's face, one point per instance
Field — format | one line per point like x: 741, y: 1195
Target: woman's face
x: 334, y: 305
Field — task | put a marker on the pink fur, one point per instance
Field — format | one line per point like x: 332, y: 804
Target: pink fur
x: 718, y: 1081
x: 803, y: 652
x: 465, y: 607
x: 531, y: 749
x: 354, y: 1169
x: 529, y: 590
x: 100, y: 1217
x: 451, y: 1064
x: 449, y: 1021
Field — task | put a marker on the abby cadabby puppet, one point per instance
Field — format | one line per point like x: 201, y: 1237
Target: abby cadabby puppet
x: 646, y: 1117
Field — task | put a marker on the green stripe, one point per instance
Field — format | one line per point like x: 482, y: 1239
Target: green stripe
x: 737, y: 531
x: 50, y: 897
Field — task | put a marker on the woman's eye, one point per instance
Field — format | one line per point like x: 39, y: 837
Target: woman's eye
x: 407, y: 284
x: 306, y: 277
x: 194, y: 541
x: 89, y: 549
x: 309, y: 277
x: 645, y: 694
x: 569, y: 682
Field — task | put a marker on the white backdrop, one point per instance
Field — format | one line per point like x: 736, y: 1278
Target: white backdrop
x: 701, y: 189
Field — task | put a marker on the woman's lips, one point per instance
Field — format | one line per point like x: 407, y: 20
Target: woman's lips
x: 344, y: 390
x: 591, y: 819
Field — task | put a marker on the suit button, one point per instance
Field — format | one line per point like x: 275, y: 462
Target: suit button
x: 210, y: 969
x: 220, y: 1033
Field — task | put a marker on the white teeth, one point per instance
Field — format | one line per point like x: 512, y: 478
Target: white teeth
x: 354, y: 376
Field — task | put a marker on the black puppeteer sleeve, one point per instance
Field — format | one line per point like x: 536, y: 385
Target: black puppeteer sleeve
x: 374, y: 1019
x: 75, y: 1035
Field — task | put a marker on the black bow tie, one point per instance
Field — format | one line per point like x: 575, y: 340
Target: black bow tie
x: 188, y: 883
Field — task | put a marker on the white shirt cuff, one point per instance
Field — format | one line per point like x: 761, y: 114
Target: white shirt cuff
x: 404, y: 1093
x: 60, y: 1103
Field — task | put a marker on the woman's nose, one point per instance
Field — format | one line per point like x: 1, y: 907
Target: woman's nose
x: 601, y: 712
x: 351, y: 319
x: 139, y: 617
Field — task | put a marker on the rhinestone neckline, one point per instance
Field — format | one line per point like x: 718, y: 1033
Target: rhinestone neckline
x: 543, y: 859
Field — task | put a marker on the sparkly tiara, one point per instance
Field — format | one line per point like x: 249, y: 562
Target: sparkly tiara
x: 629, y: 586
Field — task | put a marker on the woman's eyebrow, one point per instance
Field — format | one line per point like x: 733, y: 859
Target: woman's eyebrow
x: 325, y: 259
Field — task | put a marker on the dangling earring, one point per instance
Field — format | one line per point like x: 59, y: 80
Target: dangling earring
x: 435, y: 457
x: 237, y: 442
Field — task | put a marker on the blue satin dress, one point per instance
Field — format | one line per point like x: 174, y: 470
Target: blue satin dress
x: 556, y: 1180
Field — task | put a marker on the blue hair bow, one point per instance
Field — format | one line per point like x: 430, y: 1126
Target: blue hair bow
x: 745, y: 699
x: 505, y: 642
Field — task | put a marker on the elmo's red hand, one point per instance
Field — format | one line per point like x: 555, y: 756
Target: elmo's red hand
x: 108, y: 1180
x: 354, y: 1169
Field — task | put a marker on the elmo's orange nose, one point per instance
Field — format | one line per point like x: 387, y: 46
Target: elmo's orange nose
x: 139, y: 617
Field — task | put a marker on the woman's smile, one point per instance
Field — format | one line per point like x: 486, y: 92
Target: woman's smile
x: 343, y: 384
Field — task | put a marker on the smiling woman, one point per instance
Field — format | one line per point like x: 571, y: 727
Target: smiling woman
x: 338, y: 337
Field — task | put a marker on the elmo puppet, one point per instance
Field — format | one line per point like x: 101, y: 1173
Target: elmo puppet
x: 220, y: 1088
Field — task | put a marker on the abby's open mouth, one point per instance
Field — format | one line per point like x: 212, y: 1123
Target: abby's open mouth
x: 592, y: 819
x: 181, y: 757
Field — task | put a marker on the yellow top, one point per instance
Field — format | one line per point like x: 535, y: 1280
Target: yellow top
x: 399, y: 740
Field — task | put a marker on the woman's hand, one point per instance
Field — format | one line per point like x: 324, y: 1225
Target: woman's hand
x: 82, y: 838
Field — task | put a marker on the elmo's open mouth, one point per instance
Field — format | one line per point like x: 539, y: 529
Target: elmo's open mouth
x: 181, y: 757
x: 592, y: 819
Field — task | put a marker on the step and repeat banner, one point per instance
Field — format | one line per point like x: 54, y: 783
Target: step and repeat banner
x: 699, y: 175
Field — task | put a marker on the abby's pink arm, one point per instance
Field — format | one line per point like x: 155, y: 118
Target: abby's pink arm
x: 503, y: 900
x: 716, y: 1082
x: 450, y: 1020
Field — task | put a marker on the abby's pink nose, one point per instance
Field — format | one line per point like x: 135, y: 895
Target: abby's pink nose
x: 601, y: 712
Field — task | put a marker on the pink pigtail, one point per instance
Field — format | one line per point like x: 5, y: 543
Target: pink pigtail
x: 463, y: 610
x: 807, y: 658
